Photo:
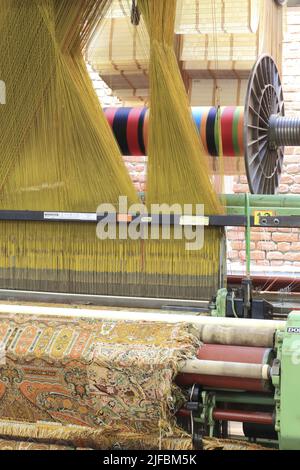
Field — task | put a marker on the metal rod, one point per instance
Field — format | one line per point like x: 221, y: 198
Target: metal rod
x: 248, y: 236
x: 104, y: 300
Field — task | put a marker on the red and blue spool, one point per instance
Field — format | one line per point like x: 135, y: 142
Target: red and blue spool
x: 130, y: 127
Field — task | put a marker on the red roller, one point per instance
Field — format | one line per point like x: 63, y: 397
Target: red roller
x: 239, y: 416
x: 132, y: 132
x: 227, y: 126
x: 242, y: 416
x: 240, y: 354
x: 110, y: 115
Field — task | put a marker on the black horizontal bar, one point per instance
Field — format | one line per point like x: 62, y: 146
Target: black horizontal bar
x: 22, y: 215
x: 286, y: 221
x: 155, y: 219
x: 230, y: 220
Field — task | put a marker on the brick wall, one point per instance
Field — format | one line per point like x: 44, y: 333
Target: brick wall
x: 276, y: 250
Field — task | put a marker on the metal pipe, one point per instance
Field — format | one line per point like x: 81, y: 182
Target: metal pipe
x: 284, y: 131
x: 272, y: 284
x: 248, y: 237
x: 114, y: 301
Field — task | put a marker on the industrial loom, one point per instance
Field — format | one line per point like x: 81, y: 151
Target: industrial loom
x: 174, y: 356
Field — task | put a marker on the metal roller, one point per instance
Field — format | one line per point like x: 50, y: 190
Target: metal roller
x: 260, y: 131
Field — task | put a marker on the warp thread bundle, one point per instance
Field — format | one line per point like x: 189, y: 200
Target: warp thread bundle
x: 58, y: 154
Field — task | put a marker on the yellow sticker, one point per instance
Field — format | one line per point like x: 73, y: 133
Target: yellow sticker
x: 258, y: 214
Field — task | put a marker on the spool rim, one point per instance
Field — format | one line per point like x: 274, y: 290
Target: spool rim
x: 264, y: 98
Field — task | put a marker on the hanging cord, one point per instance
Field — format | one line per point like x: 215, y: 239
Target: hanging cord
x: 135, y: 13
x: 218, y: 99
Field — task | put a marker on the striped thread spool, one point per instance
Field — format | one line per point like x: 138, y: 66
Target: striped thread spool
x: 130, y: 127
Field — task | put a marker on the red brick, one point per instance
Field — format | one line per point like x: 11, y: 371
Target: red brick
x: 235, y: 236
x: 293, y: 256
x: 284, y: 230
x: 262, y: 262
x: 240, y: 188
x: 255, y: 255
x: 288, y: 179
x: 233, y: 255
x: 293, y: 169
x: 291, y: 159
x: 277, y: 263
x: 295, y: 246
x: 237, y: 245
x: 284, y: 237
x: 140, y: 168
x: 240, y: 245
x: 261, y: 236
x: 275, y: 255
x: 297, y: 178
x: 137, y: 186
x: 243, y: 179
x: 284, y: 246
x: 266, y: 246
x: 283, y: 189
x: 295, y: 189
x: 263, y: 230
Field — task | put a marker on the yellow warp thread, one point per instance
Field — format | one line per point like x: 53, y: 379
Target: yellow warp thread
x: 178, y: 168
x: 178, y: 171
x: 58, y: 154
x: 57, y: 151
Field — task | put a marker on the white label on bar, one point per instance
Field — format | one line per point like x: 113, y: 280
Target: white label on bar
x: 146, y: 219
x: 69, y: 216
x: 194, y: 220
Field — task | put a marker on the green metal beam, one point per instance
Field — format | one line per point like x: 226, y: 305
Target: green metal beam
x: 282, y: 211
x: 263, y: 201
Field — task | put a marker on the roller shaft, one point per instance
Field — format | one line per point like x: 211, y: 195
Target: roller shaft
x: 239, y: 416
x: 226, y: 369
x: 243, y: 416
x: 284, y: 131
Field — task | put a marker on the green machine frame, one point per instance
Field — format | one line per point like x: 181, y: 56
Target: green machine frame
x: 286, y: 379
